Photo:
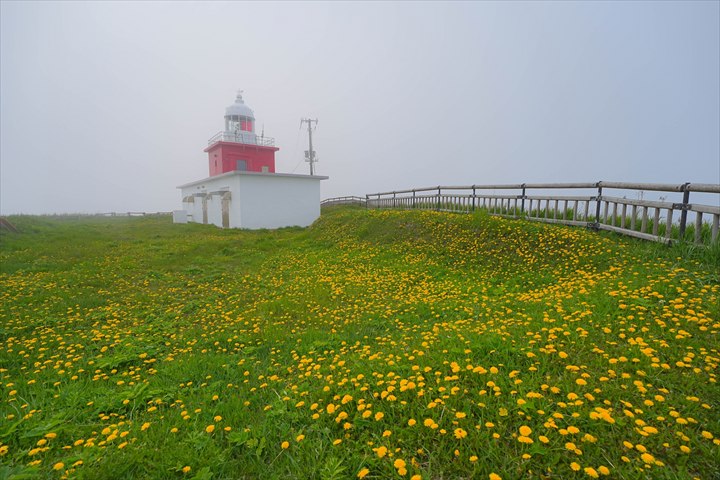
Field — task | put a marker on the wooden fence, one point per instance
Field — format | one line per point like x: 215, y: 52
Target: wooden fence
x: 349, y: 200
x: 661, y: 220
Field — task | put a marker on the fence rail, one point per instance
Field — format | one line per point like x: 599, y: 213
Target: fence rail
x: 659, y: 220
x: 349, y: 200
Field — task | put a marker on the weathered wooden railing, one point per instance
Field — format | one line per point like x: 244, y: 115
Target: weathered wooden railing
x: 659, y: 220
x: 348, y: 200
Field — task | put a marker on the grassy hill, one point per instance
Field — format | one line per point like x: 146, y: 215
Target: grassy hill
x: 373, y: 344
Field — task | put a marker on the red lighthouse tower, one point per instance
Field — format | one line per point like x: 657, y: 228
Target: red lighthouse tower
x: 238, y: 148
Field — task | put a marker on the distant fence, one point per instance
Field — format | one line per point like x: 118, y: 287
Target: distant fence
x: 102, y: 214
x: 351, y: 200
x: 662, y: 220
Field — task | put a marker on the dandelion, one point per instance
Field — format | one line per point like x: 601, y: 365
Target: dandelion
x: 58, y: 466
x: 285, y: 445
x: 591, y: 472
x: 363, y: 473
x: 186, y: 469
x: 210, y: 428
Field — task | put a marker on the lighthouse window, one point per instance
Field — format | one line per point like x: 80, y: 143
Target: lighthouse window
x: 241, y: 165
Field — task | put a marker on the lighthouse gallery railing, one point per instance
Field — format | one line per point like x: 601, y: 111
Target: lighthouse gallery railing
x: 249, y: 139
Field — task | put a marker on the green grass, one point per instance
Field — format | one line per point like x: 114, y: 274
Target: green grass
x: 135, y: 348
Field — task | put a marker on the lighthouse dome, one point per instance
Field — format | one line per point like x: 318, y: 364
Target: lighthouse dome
x: 239, y: 108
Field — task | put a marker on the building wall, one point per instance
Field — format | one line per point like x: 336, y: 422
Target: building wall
x: 274, y: 202
x: 256, y: 200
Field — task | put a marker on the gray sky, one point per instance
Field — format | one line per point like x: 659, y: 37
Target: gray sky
x: 108, y: 106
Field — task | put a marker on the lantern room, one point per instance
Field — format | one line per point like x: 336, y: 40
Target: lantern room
x: 238, y: 147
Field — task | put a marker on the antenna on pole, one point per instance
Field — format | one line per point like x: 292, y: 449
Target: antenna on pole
x: 310, y: 155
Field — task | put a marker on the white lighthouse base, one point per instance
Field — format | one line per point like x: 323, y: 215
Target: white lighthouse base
x: 253, y: 200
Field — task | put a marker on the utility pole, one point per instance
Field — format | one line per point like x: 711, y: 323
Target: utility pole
x: 310, y: 153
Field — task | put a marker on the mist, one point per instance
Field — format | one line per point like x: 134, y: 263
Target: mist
x: 107, y: 106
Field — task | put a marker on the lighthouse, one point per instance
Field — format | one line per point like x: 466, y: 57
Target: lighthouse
x: 238, y: 147
x: 243, y: 190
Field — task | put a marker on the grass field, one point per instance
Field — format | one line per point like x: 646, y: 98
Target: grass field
x: 373, y: 344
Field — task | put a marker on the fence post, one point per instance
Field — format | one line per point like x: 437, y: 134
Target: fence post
x: 597, y: 205
x: 413, y: 200
x: 438, y: 200
x: 522, y: 201
x: 683, y: 211
x: 394, y: 200
x: 473, y: 198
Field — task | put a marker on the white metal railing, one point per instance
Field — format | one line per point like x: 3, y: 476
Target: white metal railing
x: 664, y: 220
x: 246, y: 138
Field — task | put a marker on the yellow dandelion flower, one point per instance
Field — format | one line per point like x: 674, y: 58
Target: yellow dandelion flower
x: 285, y: 445
x: 210, y: 428
x: 363, y: 473
x: 186, y: 469
x: 647, y: 458
x: 525, y: 430
x: 460, y: 433
x: 58, y: 466
x: 591, y: 472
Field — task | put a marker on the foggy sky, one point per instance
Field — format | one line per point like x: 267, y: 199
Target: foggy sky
x: 108, y: 106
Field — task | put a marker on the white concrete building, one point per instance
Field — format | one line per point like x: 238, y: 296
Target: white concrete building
x: 243, y: 190
x: 252, y: 200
